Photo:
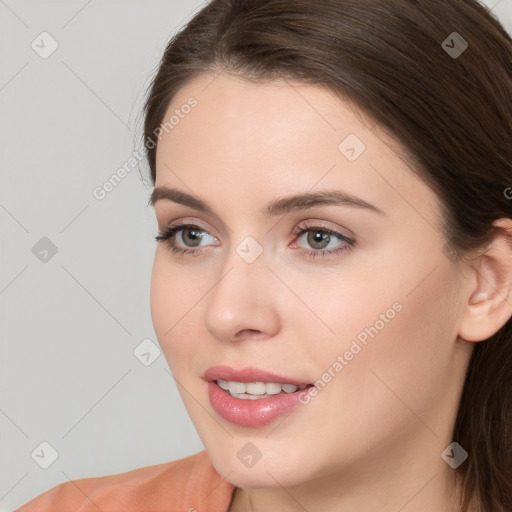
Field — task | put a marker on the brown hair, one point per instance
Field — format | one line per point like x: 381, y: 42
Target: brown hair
x: 452, y: 112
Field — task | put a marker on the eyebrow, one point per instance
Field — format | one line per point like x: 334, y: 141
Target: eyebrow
x: 278, y: 206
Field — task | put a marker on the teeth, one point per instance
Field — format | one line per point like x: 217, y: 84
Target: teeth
x: 290, y: 388
x: 224, y: 384
x: 256, y: 390
x: 272, y: 388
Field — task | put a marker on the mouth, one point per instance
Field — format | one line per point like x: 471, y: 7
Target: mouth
x: 252, y: 381
x: 252, y: 397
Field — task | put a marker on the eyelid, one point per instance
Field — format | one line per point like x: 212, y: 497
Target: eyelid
x: 310, y: 222
x: 189, y: 220
x: 313, y: 223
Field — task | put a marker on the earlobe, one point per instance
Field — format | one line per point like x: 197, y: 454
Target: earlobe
x: 489, y: 305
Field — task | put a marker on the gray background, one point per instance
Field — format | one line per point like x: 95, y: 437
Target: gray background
x: 70, y: 321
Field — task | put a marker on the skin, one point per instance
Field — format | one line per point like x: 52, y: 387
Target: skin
x: 373, y: 436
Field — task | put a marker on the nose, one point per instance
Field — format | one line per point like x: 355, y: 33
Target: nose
x: 241, y: 303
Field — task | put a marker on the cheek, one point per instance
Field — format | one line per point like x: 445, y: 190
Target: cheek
x: 391, y: 355
x: 160, y: 298
x: 171, y: 297
x: 401, y: 307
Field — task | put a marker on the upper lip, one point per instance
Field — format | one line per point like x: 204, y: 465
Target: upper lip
x: 247, y: 374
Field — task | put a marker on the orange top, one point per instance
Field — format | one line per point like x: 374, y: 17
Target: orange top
x: 190, y: 484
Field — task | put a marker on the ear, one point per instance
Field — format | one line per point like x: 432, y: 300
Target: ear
x: 490, y: 303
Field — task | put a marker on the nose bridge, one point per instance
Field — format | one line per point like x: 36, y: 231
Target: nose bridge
x: 240, y: 299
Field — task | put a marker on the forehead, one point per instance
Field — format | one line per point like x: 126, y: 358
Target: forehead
x: 279, y: 137
x: 280, y: 112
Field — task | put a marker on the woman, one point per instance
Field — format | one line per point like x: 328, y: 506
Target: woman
x: 332, y: 286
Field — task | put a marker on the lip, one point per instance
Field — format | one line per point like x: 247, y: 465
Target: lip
x: 246, y: 412
x: 247, y: 374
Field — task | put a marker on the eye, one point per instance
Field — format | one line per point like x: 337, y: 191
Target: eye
x: 190, y: 233
x: 319, y: 237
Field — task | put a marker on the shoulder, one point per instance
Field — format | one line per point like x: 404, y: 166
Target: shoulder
x: 190, y: 484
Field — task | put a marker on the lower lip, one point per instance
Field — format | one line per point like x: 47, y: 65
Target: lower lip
x: 251, y: 413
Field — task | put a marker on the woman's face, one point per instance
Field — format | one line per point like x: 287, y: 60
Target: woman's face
x: 368, y: 313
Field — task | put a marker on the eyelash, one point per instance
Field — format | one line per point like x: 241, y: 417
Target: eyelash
x: 168, y: 233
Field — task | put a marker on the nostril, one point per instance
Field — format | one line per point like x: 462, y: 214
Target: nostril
x: 248, y: 332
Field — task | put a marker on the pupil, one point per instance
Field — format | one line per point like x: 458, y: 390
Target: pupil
x: 319, y: 237
x: 195, y: 237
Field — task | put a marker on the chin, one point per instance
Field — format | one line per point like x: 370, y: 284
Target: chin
x: 272, y: 470
x: 256, y: 479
